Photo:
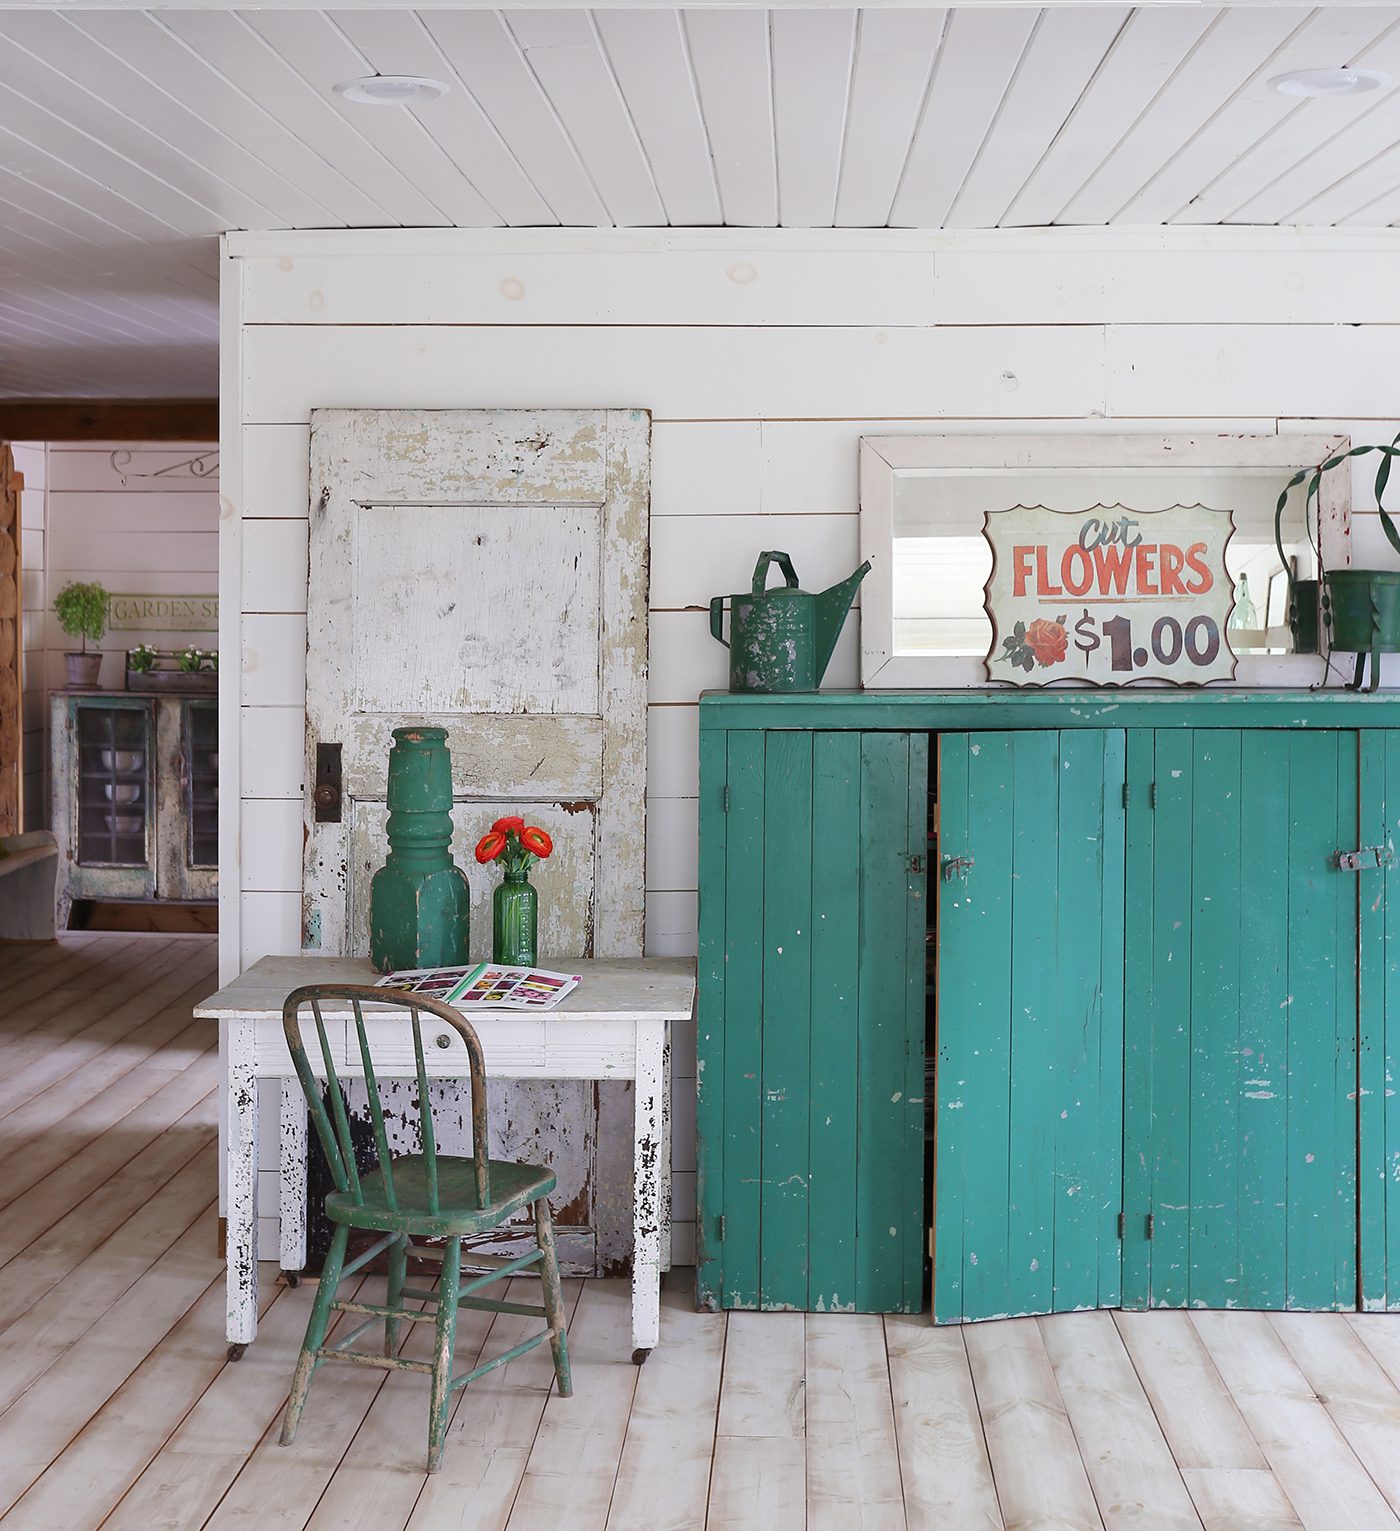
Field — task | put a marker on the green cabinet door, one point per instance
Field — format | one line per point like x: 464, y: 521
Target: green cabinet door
x: 810, y: 1114
x: 1028, y: 1113
x: 1241, y: 1033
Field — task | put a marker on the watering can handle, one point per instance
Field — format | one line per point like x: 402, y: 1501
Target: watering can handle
x: 717, y: 619
x: 760, y: 572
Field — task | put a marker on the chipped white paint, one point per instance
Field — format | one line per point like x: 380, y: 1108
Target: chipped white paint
x: 486, y: 571
x: 292, y: 1144
x: 614, y: 1026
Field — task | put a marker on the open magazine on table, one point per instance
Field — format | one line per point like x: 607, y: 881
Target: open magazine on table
x: 485, y: 986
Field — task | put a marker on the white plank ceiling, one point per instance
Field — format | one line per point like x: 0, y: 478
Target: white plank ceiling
x: 130, y: 138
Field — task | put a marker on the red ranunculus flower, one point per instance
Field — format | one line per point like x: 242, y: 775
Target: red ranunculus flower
x: 490, y: 846
x: 504, y: 826
x: 536, y: 841
x: 1048, y: 641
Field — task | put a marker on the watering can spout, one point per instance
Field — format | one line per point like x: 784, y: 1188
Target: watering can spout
x: 832, y: 606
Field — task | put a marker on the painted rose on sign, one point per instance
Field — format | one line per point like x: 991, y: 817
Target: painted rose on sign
x: 1109, y: 596
x: 1042, y: 643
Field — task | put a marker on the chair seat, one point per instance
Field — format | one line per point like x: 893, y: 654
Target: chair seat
x: 513, y: 1186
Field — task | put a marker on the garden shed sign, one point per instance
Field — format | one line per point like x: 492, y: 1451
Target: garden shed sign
x: 1109, y: 595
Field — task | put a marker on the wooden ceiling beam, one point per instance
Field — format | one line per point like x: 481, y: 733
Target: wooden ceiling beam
x: 109, y: 419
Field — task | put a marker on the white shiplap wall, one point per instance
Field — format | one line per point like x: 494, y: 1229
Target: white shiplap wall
x: 763, y: 358
x: 30, y: 459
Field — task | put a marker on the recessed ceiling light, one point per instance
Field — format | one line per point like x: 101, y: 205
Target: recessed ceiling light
x: 1329, y: 82
x: 391, y: 90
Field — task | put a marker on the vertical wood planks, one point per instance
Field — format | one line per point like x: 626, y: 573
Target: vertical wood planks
x: 1213, y: 1232
x: 712, y: 953
x: 743, y: 1018
x: 1035, y: 1021
x: 787, y: 1017
x: 911, y: 1112
x: 1171, y: 1062
x: 1139, y: 1025
x: 1109, y: 1186
x: 1391, y: 911
x: 1372, y: 1087
x: 881, y: 1146
x: 1344, y: 1104
x: 1312, y: 1064
x: 952, y: 1043
x: 1262, y: 1119
x: 836, y: 824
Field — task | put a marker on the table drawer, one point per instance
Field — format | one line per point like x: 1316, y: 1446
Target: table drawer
x: 270, y: 1053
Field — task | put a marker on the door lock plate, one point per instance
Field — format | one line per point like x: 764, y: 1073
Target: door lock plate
x: 326, y: 795
x: 1367, y: 859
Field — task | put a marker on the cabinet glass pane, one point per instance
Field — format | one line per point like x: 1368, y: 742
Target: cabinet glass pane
x: 202, y: 755
x: 113, y: 782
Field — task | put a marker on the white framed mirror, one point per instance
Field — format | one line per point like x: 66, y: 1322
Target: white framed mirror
x: 924, y: 499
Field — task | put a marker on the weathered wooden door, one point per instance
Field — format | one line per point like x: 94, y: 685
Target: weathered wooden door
x: 487, y: 572
x: 1028, y: 1092
x: 1240, y: 1186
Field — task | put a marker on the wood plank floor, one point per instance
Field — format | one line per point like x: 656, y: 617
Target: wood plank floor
x: 119, y: 1410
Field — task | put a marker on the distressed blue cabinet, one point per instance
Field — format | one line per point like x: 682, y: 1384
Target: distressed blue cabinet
x: 1160, y: 1033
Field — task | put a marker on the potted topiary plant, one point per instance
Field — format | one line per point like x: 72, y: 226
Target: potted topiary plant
x: 1359, y: 609
x: 82, y: 611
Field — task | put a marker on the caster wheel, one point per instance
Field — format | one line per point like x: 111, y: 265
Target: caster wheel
x: 236, y: 1352
x: 639, y: 1356
x: 291, y: 1278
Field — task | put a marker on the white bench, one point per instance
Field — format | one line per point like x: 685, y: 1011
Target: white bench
x: 28, y: 883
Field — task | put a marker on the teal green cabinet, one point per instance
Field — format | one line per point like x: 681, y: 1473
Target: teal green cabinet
x: 1162, y: 1027
x: 811, y: 1020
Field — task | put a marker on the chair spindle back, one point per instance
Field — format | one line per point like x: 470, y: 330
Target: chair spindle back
x: 333, y: 1128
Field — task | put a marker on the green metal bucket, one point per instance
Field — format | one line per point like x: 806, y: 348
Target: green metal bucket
x: 1362, y: 608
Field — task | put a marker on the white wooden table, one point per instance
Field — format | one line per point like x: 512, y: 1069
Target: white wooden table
x: 615, y: 1025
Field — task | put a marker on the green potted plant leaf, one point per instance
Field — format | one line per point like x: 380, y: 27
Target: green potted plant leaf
x: 82, y: 611
x: 1358, y: 608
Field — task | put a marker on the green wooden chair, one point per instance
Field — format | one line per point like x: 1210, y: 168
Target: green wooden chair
x: 424, y: 1194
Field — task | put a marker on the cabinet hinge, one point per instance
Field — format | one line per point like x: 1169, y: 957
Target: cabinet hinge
x: 1122, y: 1224
x: 916, y: 865
x: 1152, y: 796
x: 1149, y: 1225
x: 724, y: 798
x: 1125, y: 794
x: 721, y: 1227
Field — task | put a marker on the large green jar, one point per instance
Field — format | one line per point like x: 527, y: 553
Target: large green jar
x: 419, y: 901
x: 514, y: 917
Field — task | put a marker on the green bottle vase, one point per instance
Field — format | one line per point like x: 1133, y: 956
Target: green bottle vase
x: 514, y: 911
x: 419, y: 901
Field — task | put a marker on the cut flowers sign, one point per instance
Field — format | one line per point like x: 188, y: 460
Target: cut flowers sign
x: 1109, y: 596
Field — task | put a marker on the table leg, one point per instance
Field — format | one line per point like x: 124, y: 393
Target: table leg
x: 649, y: 1177
x: 242, y: 1227
x: 292, y: 1165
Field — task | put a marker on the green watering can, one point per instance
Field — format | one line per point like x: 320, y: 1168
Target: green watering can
x: 781, y: 639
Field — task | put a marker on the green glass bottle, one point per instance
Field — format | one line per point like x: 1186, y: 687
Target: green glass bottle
x: 419, y: 901
x: 514, y: 917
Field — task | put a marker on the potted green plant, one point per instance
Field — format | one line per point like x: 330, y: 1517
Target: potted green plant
x: 1358, y: 608
x: 82, y: 610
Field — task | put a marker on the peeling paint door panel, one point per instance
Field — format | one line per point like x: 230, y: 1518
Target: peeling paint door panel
x: 1242, y: 1027
x: 486, y: 571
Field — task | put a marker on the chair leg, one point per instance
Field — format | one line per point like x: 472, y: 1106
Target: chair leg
x: 398, y: 1273
x: 315, y: 1332
x: 553, y: 1297
x: 446, y: 1334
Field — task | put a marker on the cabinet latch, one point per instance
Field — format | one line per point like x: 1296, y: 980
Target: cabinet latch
x: 1367, y: 859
